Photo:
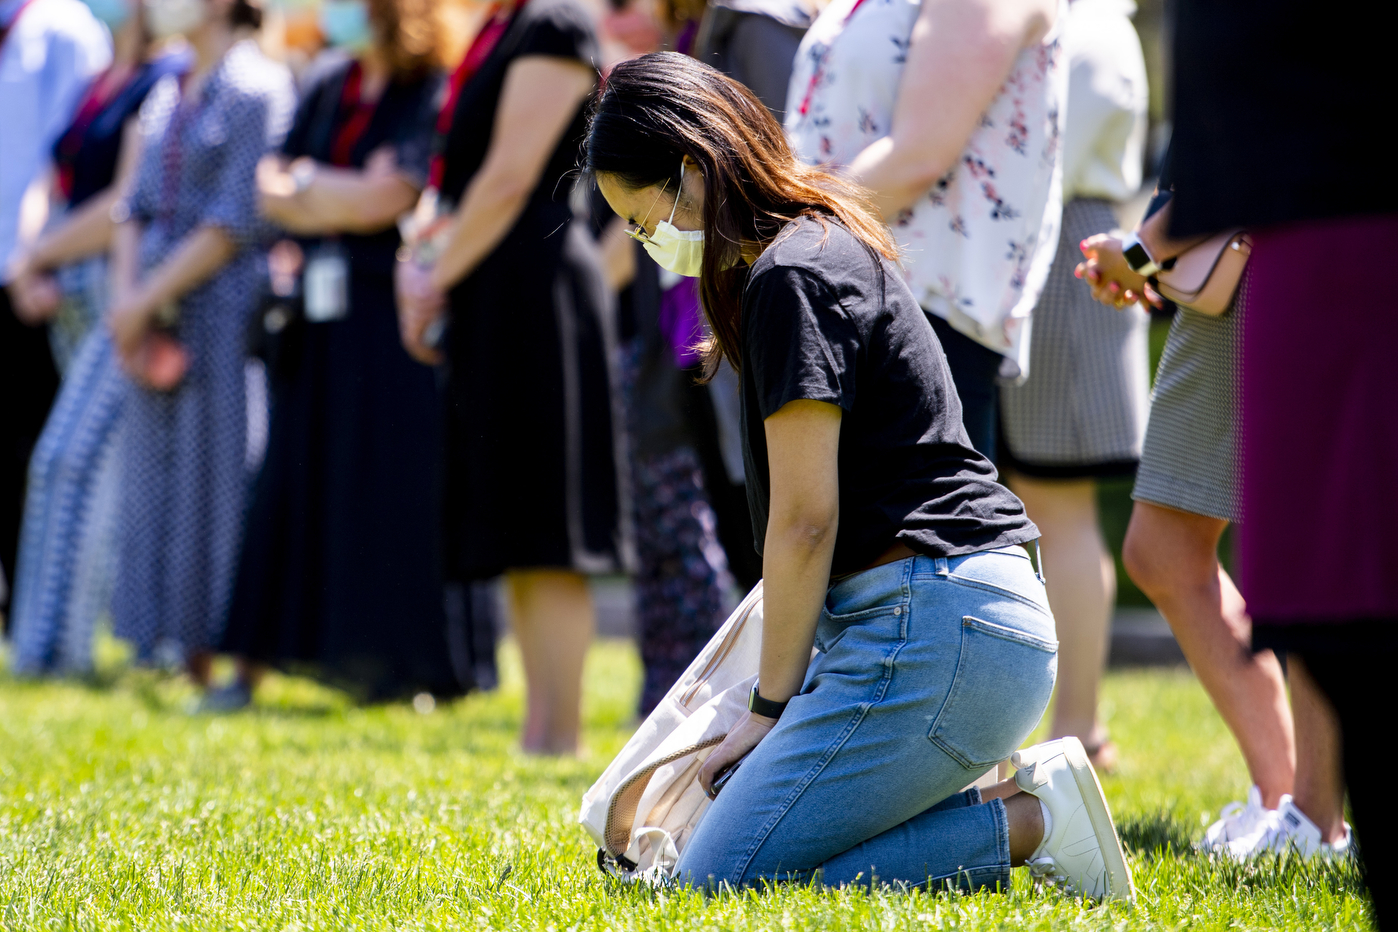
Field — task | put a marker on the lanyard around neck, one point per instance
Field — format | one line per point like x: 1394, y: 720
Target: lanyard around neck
x: 361, y: 114
x: 485, y: 42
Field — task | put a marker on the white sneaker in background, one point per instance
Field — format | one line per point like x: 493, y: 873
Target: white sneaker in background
x: 1284, y: 829
x: 1080, y: 851
x: 1237, y: 820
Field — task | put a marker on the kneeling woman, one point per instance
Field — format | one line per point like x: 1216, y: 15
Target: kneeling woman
x: 886, y: 541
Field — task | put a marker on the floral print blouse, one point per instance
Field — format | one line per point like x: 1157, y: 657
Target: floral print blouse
x: 978, y: 245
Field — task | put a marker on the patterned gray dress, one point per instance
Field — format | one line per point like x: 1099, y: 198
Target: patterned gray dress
x: 1082, y: 411
x: 184, y: 452
x: 1191, y: 460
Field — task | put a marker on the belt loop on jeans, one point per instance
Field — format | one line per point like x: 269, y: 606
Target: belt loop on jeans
x: 1039, y: 561
x: 940, y: 563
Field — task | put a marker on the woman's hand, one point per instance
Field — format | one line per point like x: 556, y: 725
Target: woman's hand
x: 745, y: 736
x: 129, y: 319
x: 1112, y: 281
x: 33, y: 292
x: 276, y: 189
x: 382, y: 163
x: 420, y: 303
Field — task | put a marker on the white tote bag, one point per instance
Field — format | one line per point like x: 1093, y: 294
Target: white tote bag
x: 644, y: 807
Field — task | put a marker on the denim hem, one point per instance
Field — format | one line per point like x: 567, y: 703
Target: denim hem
x: 1002, y: 836
x: 971, y: 879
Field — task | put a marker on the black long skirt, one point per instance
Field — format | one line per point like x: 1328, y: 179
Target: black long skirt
x: 341, y: 576
x: 534, y: 443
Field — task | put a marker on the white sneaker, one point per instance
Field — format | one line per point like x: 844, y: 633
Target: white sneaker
x: 1080, y: 851
x: 1284, y: 829
x: 1236, y: 821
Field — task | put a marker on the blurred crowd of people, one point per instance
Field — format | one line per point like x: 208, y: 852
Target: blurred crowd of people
x: 296, y: 360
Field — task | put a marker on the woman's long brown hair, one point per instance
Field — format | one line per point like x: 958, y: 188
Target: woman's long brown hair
x: 655, y: 109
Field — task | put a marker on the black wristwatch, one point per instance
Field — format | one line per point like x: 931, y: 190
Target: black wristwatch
x: 1136, y: 256
x: 759, y: 706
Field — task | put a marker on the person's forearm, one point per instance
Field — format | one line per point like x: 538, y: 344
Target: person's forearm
x: 86, y: 231
x: 196, y: 259
x: 959, y: 55
x: 341, y: 201
x: 796, y: 558
x: 493, y: 202
x: 126, y: 245
x: 895, y: 176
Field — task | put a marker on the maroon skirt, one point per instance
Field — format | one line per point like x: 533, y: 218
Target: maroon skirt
x: 1319, y: 537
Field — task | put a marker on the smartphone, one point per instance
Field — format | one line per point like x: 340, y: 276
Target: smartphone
x: 724, y: 776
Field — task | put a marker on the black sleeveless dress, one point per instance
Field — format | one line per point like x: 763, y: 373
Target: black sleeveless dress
x: 533, y: 444
x: 340, y: 576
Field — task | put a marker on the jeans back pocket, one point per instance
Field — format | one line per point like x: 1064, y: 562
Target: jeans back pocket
x: 1004, y: 678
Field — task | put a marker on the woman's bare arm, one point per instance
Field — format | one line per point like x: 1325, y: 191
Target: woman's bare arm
x: 87, y: 231
x: 195, y: 260
x: 122, y: 263
x: 959, y: 55
x: 803, y: 442
x: 337, y: 200
x: 537, y: 103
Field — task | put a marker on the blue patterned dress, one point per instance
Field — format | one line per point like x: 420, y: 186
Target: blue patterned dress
x: 67, y: 554
x: 184, y: 453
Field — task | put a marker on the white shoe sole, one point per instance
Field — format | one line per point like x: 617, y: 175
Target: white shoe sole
x: 1120, y: 886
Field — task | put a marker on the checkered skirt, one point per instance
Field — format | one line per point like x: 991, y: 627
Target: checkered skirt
x: 1082, y: 410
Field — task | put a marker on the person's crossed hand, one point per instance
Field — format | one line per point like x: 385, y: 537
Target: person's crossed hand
x: 1112, y: 281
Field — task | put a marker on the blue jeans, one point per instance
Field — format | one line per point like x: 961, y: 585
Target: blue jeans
x: 931, y: 671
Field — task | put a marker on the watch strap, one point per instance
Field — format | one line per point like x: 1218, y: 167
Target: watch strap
x: 759, y: 706
x: 1138, y: 257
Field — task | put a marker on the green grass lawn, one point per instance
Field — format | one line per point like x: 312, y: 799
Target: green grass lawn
x: 118, y: 810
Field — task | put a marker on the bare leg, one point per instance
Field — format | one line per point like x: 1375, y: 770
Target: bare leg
x: 250, y: 673
x: 1081, y: 591
x: 200, y: 665
x: 553, y: 620
x: 1002, y: 790
x: 1025, y: 818
x: 1173, y: 556
x: 1026, y: 823
x: 1320, y: 778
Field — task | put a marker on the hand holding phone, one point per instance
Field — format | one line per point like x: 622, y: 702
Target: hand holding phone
x: 724, y: 776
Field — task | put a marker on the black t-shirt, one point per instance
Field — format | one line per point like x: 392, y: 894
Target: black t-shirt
x: 550, y: 28
x: 825, y: 318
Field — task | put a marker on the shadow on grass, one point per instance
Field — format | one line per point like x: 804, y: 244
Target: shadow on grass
x: 1154, y: 833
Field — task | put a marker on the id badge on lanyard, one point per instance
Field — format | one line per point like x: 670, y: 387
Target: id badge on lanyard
x: 326, y: 284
